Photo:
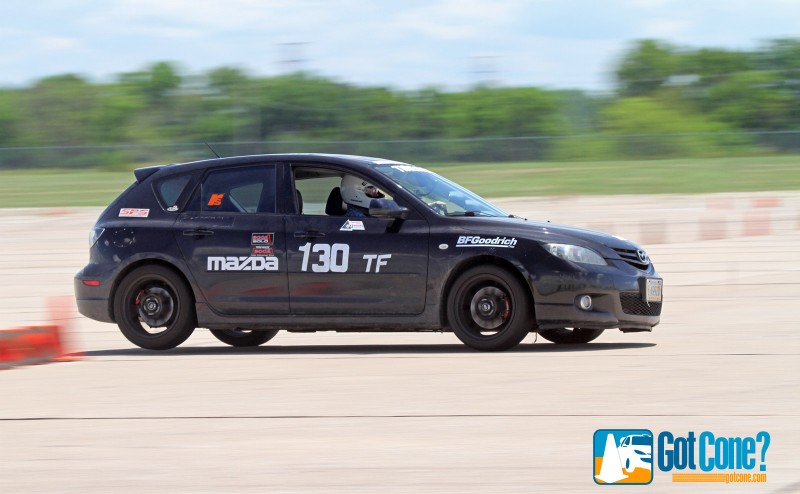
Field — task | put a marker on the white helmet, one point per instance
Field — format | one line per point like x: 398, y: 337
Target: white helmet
x: 358, y: 192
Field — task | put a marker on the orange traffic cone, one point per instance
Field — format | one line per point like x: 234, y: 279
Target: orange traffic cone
x: 7, y: 356
x: 39, y: 344
x: 61, y: 314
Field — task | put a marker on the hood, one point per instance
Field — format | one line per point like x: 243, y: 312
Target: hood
x: 548, y: 232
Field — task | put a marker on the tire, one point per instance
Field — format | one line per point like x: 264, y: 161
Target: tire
x: 570, y: 336
x: 489, y: 309
x: 150, y: 298
x: 243, y: 337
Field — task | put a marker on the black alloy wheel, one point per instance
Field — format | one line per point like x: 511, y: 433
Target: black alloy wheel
x: 154, y: 308
x: 243, y: 337
x: 489, y: 309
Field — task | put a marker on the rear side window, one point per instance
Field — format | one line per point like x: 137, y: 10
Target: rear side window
x: 170, y: 189
x: 238, y: 190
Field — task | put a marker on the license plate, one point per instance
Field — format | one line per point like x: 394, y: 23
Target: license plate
x: 652, y: 290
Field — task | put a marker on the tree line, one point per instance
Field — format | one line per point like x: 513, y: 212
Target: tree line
x: 669, y: 101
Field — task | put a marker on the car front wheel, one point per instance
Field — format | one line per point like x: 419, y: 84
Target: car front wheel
x: 243, y: 337
x: 489, y: 309
x: 154, y: 308
x: 570, y: 336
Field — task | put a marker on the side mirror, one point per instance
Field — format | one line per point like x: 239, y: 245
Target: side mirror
x: 386, y: 208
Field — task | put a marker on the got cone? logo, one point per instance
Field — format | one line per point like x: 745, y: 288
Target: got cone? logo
x: 610, y: 466
x: 623, y: 456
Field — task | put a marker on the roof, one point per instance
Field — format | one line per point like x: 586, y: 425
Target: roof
x: 365, y: 161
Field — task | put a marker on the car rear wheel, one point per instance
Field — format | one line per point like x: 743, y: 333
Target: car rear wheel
x: 489, y: 309
x: 570, y: 336
x: 154, y: 308
x: 243, y: 337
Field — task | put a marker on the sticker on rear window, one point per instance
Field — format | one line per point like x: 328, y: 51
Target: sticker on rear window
x: 410, y: 168
x: 216, y: 200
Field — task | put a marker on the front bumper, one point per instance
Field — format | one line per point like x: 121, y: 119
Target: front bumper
x: 607, y: 312
x: 617, y: 301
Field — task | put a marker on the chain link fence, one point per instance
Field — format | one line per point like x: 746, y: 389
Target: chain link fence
x: 586, y: 147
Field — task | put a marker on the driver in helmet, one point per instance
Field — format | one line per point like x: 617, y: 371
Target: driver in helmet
x: 357, y: 194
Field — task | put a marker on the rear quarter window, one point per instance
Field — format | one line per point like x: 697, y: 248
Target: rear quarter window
x: 169, y: 190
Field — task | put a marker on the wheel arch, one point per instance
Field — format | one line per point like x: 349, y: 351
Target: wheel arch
x: 515, y: 269
x: 138, y: 264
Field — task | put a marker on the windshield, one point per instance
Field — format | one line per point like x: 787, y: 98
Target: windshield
x: 441, y: 195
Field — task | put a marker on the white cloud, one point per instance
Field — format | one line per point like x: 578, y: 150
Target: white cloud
x: 648, y: 4
x: 459, y: 19
x: 665, y: 28
x: 405, y: 43
x: 58, y: 42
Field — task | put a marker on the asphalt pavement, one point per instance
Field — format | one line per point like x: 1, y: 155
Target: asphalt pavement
x: 328, y: 412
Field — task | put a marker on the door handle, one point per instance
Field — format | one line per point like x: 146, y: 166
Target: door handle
x: 309, y: 234
x: 198, y: 232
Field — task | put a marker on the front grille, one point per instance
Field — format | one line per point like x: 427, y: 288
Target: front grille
x: 633, y: 304
x: 631, y: 257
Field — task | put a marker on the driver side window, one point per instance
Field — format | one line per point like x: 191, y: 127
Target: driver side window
x: 320, y: 191
x: 315, y: 192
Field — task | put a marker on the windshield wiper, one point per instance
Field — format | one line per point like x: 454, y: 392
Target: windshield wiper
x: 518, y: 217
x: 471, y: 213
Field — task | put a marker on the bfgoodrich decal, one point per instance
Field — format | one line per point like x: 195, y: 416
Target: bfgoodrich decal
x: 478, y: 241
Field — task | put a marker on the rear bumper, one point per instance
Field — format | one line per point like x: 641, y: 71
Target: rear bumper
x: 96, y: 309
x: 92, y: 301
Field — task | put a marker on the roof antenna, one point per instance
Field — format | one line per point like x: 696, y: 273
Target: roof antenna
x: 212, y: 149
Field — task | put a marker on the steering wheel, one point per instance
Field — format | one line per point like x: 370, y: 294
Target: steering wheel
x: 439, y: 207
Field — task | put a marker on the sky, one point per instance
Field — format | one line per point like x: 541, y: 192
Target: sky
x: 410, y: 44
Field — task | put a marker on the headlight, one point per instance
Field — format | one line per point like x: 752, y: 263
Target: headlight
x: 94, y: 235
x: 575, y: 253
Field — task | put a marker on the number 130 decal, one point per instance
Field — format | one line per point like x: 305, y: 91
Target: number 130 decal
x: 336, y: 258
x: 331, y: 257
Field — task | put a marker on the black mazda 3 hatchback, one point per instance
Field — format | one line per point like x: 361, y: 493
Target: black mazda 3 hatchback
x: 252, y: 245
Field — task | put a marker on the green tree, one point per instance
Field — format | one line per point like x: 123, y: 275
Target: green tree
x: 502, y: 112
x: 58, y: 111
x: 782, y: 56
x: 712, y: 66
x: 648, y: 128
x: 227, y: 80
x: 10, y: 118
x: 646, y: 67
x: 156, y: 83
x: 751, y: 100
